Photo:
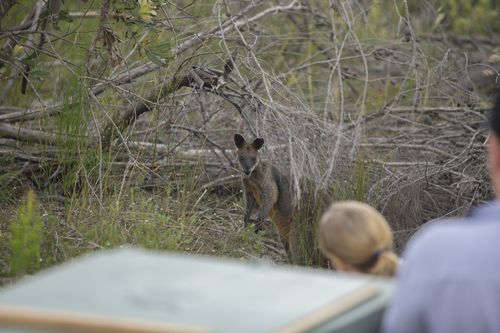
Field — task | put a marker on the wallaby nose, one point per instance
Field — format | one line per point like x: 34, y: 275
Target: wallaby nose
x: 247, y: 172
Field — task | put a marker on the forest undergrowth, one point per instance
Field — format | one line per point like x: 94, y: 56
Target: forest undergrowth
x: 116, y: 118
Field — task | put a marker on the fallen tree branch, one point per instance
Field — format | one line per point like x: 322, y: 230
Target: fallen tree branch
x: 25, y: 115
x: 129, y: 115
x: 24, y: 134
x: 198, y: 77
x: 205, y: 137
x: 478, y: 113
x: 23, y: 156
x: 222, y: 181
x: 408, y: 146
x: 124, y: 78
x: 189, y: 154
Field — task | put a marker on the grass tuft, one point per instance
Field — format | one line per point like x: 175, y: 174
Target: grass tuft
x: 26, y: 235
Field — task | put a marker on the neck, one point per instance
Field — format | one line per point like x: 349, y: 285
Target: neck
x: 257, y: 171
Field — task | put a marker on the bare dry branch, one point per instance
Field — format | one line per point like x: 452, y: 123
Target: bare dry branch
x: 24, y: 134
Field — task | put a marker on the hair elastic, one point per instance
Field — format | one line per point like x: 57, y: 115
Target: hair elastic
x: 365, y: 266
x: 378, y: 252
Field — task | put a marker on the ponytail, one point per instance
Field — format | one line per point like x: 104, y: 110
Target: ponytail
x: 386, y: 264
x: 359, y: 235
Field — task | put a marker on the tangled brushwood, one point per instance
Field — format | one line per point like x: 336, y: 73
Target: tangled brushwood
x: 383, y: 103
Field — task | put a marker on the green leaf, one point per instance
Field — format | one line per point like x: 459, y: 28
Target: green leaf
x: 38, y: 74
x: 159, y: 54
x: 64, y: 16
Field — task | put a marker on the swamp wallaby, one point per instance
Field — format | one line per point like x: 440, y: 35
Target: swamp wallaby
x: 264, y: 185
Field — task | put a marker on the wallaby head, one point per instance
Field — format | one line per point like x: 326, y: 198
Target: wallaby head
x: 248, y: 153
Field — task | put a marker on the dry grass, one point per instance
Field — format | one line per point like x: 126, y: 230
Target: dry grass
x: 378, y: 108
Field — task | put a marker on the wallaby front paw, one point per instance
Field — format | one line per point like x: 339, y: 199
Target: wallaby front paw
x: 258, y: 223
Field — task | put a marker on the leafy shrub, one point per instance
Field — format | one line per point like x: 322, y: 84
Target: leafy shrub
x: 26, y: 236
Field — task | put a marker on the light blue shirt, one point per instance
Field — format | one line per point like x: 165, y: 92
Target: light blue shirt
x: 450, y: 277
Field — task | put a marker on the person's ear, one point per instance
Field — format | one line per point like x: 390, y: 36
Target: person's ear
x: 340, y: 265
x: 494, y: 161
x: 494, y: 152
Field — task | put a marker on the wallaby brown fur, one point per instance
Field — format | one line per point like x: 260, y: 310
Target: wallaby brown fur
x: 264, y: 185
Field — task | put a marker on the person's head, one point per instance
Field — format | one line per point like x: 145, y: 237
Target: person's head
x: 356, y: 237
x: 494, y: 146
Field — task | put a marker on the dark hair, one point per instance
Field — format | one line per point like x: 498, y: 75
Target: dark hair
x: 495, y: 117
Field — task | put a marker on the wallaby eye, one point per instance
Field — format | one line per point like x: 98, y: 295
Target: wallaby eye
x: 253, y: 159
x: 241, y: 158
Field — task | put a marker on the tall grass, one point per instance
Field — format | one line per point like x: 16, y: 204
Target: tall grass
x: 26, y: 237
x: 305, y: 248
x: 356, y: 185
x: 178, y: 216
x: 75, y: 156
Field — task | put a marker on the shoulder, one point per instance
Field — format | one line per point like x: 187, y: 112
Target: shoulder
x: 428, y: 241
x: 452, y: 231
x: 456, y: 245
x: 433, y: 232
x: 277, y: 173
x: 448, y: 276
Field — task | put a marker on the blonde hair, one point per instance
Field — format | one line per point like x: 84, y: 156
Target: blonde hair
x: 359, y: 235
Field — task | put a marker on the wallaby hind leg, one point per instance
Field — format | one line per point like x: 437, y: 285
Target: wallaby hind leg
x: 284, y: 234
x: 286, y: 246
x: 289, y: 255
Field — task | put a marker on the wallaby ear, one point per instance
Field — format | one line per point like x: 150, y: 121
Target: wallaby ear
x: 239, y: 141
x: 258, y: 143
